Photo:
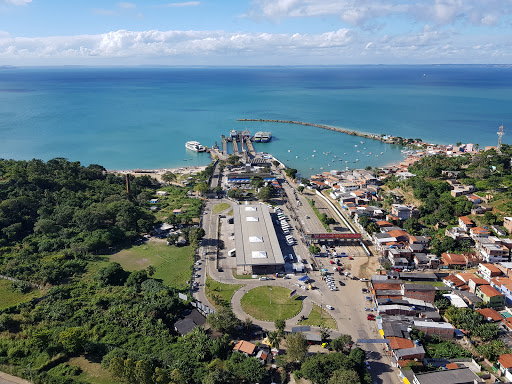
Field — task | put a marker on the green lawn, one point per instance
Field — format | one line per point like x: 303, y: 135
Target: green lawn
x: 10, y: 297
x: 317, y: 213
x: 220, y: 207
x: 256, y: 303
x: 224, y: 291
x: 433, y: 283
x: 173, y: 264
x: 315, y: 320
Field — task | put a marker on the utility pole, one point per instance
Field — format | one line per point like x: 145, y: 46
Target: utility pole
x: 270, y: 296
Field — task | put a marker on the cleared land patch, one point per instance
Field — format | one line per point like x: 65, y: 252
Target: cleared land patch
x: 10, y: 297
x: 173, y: 264
x: 220, y: 207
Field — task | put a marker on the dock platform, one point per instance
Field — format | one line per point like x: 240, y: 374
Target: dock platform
x: 224, y: 147
x: 235, y: 147
x: 250, y: 147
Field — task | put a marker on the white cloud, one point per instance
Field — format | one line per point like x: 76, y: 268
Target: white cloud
x: 343, y: 46
x: 126, y: 5
x: 360, y: 12
x: 183, y: 4
x: 16, y: 2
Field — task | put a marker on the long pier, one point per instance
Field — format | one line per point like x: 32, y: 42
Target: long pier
x: 224, y: 147
x: 250, y: 147
x: 342, y: 130
x: 235, y: 146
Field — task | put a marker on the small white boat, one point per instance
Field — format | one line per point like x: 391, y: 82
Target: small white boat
x: 194, y: 146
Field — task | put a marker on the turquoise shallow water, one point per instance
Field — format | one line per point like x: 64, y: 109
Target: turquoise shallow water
x: 141, y: 117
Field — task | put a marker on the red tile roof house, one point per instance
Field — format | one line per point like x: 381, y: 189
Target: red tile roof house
x: 490, y: 314
x: 479, y: 232
x: 474, y: 282
x: 505, y: 365
x: 488, y: 271
x: 490, y: 296
x: 465, y: 223
x: 245, y: 347
x: 474, y: 199
x: 456, y: 260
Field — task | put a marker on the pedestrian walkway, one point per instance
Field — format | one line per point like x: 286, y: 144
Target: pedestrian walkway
x: 5, y: 378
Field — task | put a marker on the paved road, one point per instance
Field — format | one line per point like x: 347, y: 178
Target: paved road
x: 349, y: 302
x: 9, y: 379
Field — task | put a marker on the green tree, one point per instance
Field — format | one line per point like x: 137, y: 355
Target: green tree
x: 412, y: 226
x: 300, y: 188
x: 274, y: 338
x: 296, y: 347
x: 112, y: 274
x: 280, y: 325
x: 257, y: 182
x: 314, y: 249
x: 344, y: 377
x: 342, y: 343
x: 202, y: 188
x: 235, y: 193
x: 290, y: 172
x: 223, y: 320
x: 73, y: 339
x: 266, y: 193
x: 246, y: 368
x: 169, y: 177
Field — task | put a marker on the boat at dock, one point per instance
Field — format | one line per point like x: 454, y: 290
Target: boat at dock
x: 257, y: 137
x: 266, y: 137
x: 194, y: 146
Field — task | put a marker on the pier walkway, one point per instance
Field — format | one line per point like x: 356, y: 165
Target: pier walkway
x: 250, y: 147
x: 224, y: 147
x: 235, y: 147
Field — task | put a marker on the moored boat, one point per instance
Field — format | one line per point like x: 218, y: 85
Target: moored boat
x: 194, y: 146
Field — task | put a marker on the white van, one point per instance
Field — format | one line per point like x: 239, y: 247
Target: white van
x: 232, y: 252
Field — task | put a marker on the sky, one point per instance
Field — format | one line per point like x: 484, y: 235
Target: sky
x: 255, y: 32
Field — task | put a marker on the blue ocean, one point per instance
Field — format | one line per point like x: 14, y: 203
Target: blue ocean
x: 126, y: 118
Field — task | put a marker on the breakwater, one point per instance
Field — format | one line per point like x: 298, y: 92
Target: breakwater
x: 342, y: 130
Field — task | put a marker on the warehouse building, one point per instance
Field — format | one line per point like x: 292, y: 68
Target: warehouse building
x: 257, y: 247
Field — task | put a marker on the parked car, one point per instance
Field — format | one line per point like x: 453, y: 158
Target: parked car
x: 329, y: 307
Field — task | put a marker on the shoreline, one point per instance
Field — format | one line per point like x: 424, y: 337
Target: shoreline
x: 157, y: 173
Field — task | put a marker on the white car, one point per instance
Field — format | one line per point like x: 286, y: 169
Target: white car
x: 329, y: 307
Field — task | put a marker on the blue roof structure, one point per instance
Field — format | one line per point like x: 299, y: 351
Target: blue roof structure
x: 304, y: 278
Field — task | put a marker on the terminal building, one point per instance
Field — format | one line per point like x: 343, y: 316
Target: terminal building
x: 257, y: 247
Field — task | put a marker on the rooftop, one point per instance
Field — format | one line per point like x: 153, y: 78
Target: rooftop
x: 400, y: 343
x: 254, y: 221
x: 505, y: 360
x: 450, y: 376
x: 489, y: 291
x: 244, y: 346
x: 490, y: 313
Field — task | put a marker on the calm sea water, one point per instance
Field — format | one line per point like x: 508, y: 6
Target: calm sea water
x: 141, y: 117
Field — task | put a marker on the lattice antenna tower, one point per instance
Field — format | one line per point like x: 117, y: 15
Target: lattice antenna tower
x: 500, y: 134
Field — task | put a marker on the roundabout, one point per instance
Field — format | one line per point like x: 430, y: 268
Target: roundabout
x: 270, y: 303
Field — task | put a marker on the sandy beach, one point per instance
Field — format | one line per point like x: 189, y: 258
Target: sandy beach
x: 157, y: 173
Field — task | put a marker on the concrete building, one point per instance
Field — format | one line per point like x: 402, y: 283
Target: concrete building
x: 257, y: 246
x: 465, y: 223
x: 488, y: 271
x: 507, y: 223
x: 490, y: 296
x: 505, y: 365
x: 425, y: 292
x: 441, y: 329
x: 449, y: 376
x: 403, y: 212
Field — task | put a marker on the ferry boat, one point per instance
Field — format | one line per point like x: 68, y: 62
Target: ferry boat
x: 257, y: 137
x: 194, y: 146
x: 266, y: 137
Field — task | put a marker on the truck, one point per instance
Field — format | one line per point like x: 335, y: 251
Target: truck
x: 232, y: 252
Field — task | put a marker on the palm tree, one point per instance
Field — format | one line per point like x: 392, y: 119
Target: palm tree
x: 274, y: 339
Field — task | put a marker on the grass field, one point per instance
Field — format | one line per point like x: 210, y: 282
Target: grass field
x: 433, y: 283
x: 92, y: 372
x: 224, y: 291
x: 315, y: 320
x: 10, y: 297
x: 220, y: 207
x: 173, y: 264
x: 256, y: 303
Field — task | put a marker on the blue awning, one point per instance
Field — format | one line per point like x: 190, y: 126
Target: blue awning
x: 304, y: 278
